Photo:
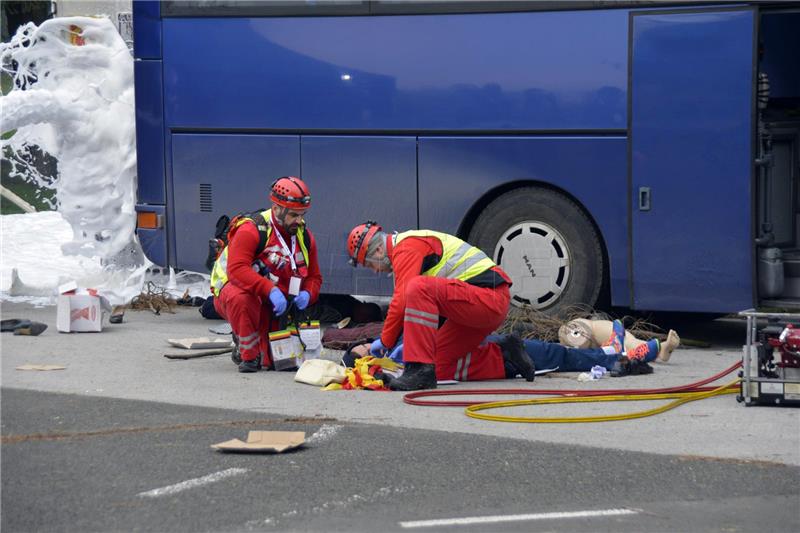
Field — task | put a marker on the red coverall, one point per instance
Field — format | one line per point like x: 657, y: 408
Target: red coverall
x: 472, y: 313
x: 244, y: 300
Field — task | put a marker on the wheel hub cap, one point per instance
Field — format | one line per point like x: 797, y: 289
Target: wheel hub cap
x: 537, y: 258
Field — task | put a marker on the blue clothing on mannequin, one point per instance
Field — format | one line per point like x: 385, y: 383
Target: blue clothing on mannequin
x: 547, y: 355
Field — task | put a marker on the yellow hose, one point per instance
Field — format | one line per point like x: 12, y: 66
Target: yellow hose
x: 679, y: 398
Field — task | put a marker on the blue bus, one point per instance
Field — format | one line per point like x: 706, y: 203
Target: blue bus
x: 642, y: 154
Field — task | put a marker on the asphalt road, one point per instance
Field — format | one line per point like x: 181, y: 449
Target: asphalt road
x: 120, y: 440
x: 75, y: 463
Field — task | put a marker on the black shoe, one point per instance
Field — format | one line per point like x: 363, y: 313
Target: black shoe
x: 10, y: 324
x: 514, y: 353
x: 416, y: 376
x: 630, y: 367
x: 30, y: 328
x: 253, y: 365
x: 639, y: 367
x: 236, y: 357
x: 117, y: 314
x: 386, y: 377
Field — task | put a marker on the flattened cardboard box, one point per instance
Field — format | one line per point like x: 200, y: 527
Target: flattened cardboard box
x: 200, y: 343
x: 264, y: 441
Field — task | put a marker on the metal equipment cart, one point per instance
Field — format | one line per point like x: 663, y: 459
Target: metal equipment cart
x: 763, y: 381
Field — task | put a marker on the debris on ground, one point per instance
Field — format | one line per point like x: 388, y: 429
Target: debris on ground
x: 155, y: 299
x: 533, y: 324
x: 264, y: 441
x: 41, y: 367
x: 198, y: 353
x: 198, y: 343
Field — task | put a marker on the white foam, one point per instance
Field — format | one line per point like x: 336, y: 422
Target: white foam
x: 80, y: 109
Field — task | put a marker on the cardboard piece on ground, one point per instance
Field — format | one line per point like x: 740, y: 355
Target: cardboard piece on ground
x: 80, y: 310
x: 201, y: 343
x: 198, y: 353
x: 41, y: 367
x: 264, y: 441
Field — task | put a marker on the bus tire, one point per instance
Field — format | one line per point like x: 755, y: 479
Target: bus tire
x: 548, y: 246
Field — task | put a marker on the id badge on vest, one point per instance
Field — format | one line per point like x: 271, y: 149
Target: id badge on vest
x: 294, y: 286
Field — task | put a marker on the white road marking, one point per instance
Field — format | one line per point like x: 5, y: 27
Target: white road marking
x: 308, y: 509
x: 192, y: 483
x: 515, y: 518
x: 325, y: 432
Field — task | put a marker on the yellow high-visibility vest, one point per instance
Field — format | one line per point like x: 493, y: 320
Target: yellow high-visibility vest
x: 219, y: 274
x: 460, y: 260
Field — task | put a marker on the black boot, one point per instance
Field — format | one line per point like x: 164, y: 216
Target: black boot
x: 385, y: 377
x: 253, y: 365
x: 514, y: 353
x: 236, y: 357
x: 416, y: 376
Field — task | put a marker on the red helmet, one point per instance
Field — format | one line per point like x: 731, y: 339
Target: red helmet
x: 358, y: 241
x: 290, y: 192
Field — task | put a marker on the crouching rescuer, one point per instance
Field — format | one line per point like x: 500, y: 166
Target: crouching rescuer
x: 440, y: 278
x: 270, y: 263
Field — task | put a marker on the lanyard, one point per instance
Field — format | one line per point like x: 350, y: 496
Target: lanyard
x: 283, y: 244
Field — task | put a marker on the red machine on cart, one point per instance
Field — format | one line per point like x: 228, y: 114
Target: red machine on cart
x: 773, y: 376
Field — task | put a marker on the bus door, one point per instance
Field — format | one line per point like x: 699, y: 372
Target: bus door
x: 690, y: 159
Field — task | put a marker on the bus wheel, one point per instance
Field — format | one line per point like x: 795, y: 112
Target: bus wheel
x: 548, y: 246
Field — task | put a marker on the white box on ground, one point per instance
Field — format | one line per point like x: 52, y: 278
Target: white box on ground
x: 80, y: 310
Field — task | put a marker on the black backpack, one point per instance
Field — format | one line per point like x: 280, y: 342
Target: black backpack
x: 226, y: 227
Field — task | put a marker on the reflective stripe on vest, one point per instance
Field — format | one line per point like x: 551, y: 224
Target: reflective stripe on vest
x: 219, y: 274
x: 460, y: 260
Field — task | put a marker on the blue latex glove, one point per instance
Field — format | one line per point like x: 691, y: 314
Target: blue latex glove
x: 301, y: 300
x: 278, y: 301
x: 396, y: 355
x: 377, y: 348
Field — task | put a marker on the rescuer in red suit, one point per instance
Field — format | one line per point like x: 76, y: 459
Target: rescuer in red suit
x: 271, y: 259
x: 439, y: 276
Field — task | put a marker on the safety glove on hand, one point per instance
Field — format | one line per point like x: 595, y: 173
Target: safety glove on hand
x: 278, y: 301
x: 301, y: 300
x: 377, y: 348
x: 396, y: 355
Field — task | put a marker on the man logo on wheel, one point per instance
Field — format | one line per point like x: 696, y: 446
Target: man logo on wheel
x: 529, y: 265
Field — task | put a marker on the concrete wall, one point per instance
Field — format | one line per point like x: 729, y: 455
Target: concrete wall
x: 72, y: 8
x: 119, y: 11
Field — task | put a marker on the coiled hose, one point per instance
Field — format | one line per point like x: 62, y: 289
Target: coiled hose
x: 680, y: 395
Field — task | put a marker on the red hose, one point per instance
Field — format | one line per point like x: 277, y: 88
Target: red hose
x: 411, y: 398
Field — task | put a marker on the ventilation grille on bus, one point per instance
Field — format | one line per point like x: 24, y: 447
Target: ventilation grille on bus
x: 205, y: 198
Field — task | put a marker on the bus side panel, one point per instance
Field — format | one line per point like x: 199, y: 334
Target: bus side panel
x: 508, y: 71
x: 151, y: 181
x: 691, y: 129
x: 454, y: 172
x: 149, y: 132
x: 221, y: 174
x: 354, y: 179
x: 146, y: 30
